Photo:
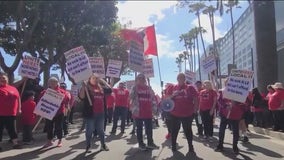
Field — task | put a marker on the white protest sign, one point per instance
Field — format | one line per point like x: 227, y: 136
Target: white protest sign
x: 78, y: 67
x: 148, y: 69
x: 136, y: 56
x: 49, y: 104
x: 30, y: 67
x: 74, y: 52
x: 113, y: 68
x: 209, y: 64
x: 238, y: 85
x: 130, y: 84
x: 98, y: 66
x: 74, y: 90
x: 190, y: 76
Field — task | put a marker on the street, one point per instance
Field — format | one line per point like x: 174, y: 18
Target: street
x: 124, y: 147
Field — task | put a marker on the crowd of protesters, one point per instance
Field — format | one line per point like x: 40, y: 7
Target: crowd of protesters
x: 103, y: 104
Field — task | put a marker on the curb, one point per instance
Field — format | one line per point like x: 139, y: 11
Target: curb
x: 268, y: 132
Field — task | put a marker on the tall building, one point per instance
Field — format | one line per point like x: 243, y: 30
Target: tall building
x: 244, y: 45
x: 279, y: 17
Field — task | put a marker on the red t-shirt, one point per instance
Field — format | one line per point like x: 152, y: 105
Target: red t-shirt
x: 121, y: 97
x: 184, y: 106
x: 98, y: 100
x: 110, y: 101
x: 145, y: 102
x: 9, y: 100
x: 206, y: 99
x: 28, y: 116
x: 275, y: 99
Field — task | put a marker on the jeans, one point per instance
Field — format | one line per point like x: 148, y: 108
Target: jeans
x: 8, y: 122
x: 55, y: 124
x: 235, y: 128
x: 95, y: 123
x: 186, y: 125
x: 121, y: 112
x: 109, y: 115
x: 207, y: 121
x: 148, y: 128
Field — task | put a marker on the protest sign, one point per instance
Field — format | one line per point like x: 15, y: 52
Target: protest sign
x: 74, y: 52
x: 136, y: 56
x: 98, y: 66
x: 238, y: 85
x: 190, y: 76
x: 148, y: 68
x: 113, y: 68
x: 74, y: 90
x: 49, y: 104
x: 78, y: 67
x: 209, y: 64
x: 30, y: 67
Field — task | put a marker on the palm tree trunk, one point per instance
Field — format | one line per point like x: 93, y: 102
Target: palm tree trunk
x: 199, y: 68
x: 233, y: 34
x: 194, y: 58
x: 201, y: 36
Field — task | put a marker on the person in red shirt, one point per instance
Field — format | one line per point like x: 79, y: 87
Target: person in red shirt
x: 92, y: 94
x: 65, y: 125
x: 276, y: 105
x: 207, y: 105
x: 28, y: 116
x: 231, y: 113
x: 110, y: 99
x: 197, y: 117
x: 185, y: 99
x: 55, y: 125
x: 9, y: 108
x: 143, y: 106
x: 121, y: 95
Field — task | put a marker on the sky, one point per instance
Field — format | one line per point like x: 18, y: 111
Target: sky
x: 170, y: 22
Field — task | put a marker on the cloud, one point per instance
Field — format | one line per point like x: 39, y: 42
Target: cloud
x: 205, y: 23
x: 143, y: 13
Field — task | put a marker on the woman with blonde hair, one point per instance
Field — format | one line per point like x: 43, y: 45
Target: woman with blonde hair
x: 207, y: 105
x: 93, y: 94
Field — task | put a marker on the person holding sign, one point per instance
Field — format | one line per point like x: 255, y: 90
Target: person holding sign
x: 55, y: 125
x: 9, y: 108
x: 207, y: 105
x: 143, y: 106
x: 185, y: 98
x: 92, y: 94
x: 231, y: 113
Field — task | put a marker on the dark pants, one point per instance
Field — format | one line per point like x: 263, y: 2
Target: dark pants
x: 27, y: 133
x: 121, y: 112
x: 8, y: 122
x: 129, y: 117
x: 65, y: 125
x: 198, y: 125
x: 109, y: 114
x: 186, y: 125
x: 207, y: 121
x: 278, y: 119
x: 70, y: 118
x: 148, y: 129
x: 259, y: 119
x: 235, y: 128
x: 56, y: 125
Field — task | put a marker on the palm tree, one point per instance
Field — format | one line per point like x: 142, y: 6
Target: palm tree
x: 196, y: 8
x: 230, y: 5
x: 196, y: 31
x: 179, y: 61
x: 185, y: 57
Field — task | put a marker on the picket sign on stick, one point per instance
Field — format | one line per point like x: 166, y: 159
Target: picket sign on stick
x: 38, y: 122
x: 23, y: 88
x: 88, y: 95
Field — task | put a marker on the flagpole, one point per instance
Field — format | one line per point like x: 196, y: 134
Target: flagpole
x: 160, y: 74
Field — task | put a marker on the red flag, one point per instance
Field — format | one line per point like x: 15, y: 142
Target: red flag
x: 131, y: 34
x: 150, y: 43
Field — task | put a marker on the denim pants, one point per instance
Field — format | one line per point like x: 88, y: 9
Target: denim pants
x: 27, y: 133
x: 96, y: 122
x: 148, y: 129
x: 121, y: 112
x: 235, y: 128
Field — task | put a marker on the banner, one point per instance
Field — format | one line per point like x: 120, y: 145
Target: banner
x: 136, y: 56
x: 30, y: 67
x: 98, y: 66
x: 190, y: 76
x: 49, y: 104
x: 77, y: 64
x: 113, y: 68
x: 209, y: 64
x: 238, y: 86
x: 148, y: 69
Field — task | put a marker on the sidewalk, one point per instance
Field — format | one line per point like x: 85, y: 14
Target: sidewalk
x: 267, y: 132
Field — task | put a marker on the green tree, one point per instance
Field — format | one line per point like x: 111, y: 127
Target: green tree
x: 179, y: 61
